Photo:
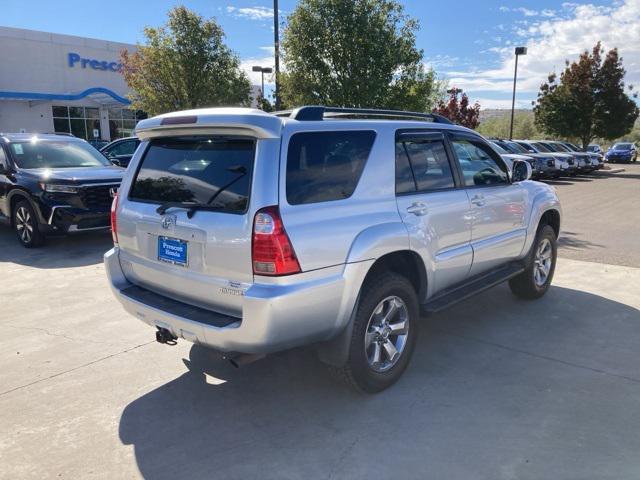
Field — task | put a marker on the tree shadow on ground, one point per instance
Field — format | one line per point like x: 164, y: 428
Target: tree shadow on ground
x: 58, y: 252
x: 570, y: 240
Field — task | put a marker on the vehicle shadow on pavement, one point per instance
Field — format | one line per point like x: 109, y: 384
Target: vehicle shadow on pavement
x: 496, y: 384
x: 57, y: 252
x: 557, y: 181
x: 631, y: 176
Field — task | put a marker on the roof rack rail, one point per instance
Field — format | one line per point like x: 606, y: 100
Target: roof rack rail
x: 64, y: 134
x: 316, y: 112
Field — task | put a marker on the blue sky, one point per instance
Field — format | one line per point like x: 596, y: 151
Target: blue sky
x: 469, y: 43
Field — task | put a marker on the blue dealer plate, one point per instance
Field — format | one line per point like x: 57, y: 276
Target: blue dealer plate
x: 172, y: 250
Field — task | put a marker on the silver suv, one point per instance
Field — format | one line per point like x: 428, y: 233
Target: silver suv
x: 251, y: 232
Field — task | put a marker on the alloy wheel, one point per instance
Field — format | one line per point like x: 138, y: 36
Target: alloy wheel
x: 387, y: 333
x: 542, y: 262
x: 24, y: 224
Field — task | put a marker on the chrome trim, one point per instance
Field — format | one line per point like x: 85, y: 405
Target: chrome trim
x: 53, y: 211
x: 74, y: 228
x: 83, y: 185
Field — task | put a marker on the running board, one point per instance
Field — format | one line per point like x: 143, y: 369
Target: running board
x: 472, y: 287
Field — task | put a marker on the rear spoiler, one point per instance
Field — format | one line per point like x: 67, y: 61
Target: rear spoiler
x: 211, y: 121
x: 220, y: 129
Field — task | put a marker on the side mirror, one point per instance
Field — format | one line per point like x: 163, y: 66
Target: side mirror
x: 521, y: 171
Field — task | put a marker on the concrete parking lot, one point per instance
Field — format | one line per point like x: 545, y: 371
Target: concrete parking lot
x: 499, y: 388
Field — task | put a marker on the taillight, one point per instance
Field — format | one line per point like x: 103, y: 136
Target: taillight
x: 272, y: 252
x: 114, y: 222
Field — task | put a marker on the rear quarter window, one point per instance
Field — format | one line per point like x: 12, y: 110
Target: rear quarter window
x: 325, y: 166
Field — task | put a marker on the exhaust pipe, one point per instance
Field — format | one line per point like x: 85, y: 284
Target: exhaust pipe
x: 240, y: 359
x: 165, y: 336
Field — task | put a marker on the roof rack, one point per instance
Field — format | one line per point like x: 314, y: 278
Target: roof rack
x: 315, y: 113
x: 64, y: 134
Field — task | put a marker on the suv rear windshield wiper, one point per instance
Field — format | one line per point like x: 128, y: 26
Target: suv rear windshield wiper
x: 193, y: 207
x: 189, y: 206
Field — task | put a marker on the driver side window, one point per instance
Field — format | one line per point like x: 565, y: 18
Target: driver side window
x: 477, y: 163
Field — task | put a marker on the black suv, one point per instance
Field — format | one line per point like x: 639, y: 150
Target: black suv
x: 54, y: 184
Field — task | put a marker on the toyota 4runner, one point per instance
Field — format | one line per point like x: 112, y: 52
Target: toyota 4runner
x: 251, y: 232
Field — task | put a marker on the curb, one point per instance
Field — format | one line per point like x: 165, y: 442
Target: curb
x: 613, y: 170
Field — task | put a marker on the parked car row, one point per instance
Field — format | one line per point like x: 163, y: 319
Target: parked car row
x: 550, y: 159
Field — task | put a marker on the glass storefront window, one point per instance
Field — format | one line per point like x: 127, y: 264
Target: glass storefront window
x: 60, y: 112
x: 92, y: 113
x: 78, y: 128
x: 122, y: 121
x: 61, y: 125
x: 79, y: 121
x: 76, y: 112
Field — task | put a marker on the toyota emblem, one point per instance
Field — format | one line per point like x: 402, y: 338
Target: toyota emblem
x: 168, y: 221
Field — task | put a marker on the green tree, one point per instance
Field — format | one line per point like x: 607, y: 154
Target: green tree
x: 184, y: 64
x: 356, y: 53
x: 588, y: 101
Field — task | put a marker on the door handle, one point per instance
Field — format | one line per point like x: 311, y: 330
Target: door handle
x: 478, y: 200
x: 417, y: 208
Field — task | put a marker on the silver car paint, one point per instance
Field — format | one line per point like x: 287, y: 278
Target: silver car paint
x: 456, y: 235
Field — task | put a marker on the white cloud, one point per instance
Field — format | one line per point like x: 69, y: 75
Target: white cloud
x: 552, y: 40
x: 255, y: 77
x: 251, y: 13
x: 501, y: 104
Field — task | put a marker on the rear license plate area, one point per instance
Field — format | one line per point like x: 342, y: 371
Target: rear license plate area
x: 173, y: 250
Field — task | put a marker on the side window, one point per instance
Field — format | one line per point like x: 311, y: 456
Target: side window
x: 123, y: 148
x: 429, y: 165
x: 325, y: 166
x: 405, y: 182
x: 477, y: 163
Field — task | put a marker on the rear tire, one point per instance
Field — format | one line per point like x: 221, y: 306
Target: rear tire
x: 25, y: 224
x: 384, y: 334
x: 541, y: 264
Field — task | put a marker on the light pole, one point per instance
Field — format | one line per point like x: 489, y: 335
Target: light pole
x: 519, y: 51
x: 276, y: 44
x: 262, y: 71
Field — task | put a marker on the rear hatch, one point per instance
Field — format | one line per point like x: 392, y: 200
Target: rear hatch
x: 185, y: 220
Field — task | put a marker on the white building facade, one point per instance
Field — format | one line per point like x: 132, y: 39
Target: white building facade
x: 63, y: 83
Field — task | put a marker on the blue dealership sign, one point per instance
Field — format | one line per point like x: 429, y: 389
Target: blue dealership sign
x: 75, y: 58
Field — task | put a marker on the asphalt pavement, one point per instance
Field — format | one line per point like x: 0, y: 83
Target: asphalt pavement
x: 601, y: 221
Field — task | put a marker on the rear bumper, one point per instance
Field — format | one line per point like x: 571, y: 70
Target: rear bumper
x: 274, y: 316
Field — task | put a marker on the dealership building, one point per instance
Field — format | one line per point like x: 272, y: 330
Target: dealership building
x: 62, y: 83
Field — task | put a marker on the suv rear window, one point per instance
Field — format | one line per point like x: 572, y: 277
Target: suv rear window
x: 324, y: 166
x: 207, y: 171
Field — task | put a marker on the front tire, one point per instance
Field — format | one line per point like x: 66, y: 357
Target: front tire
x: 384, y: 334
x: 25, y: 224
x: 541, y: 264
